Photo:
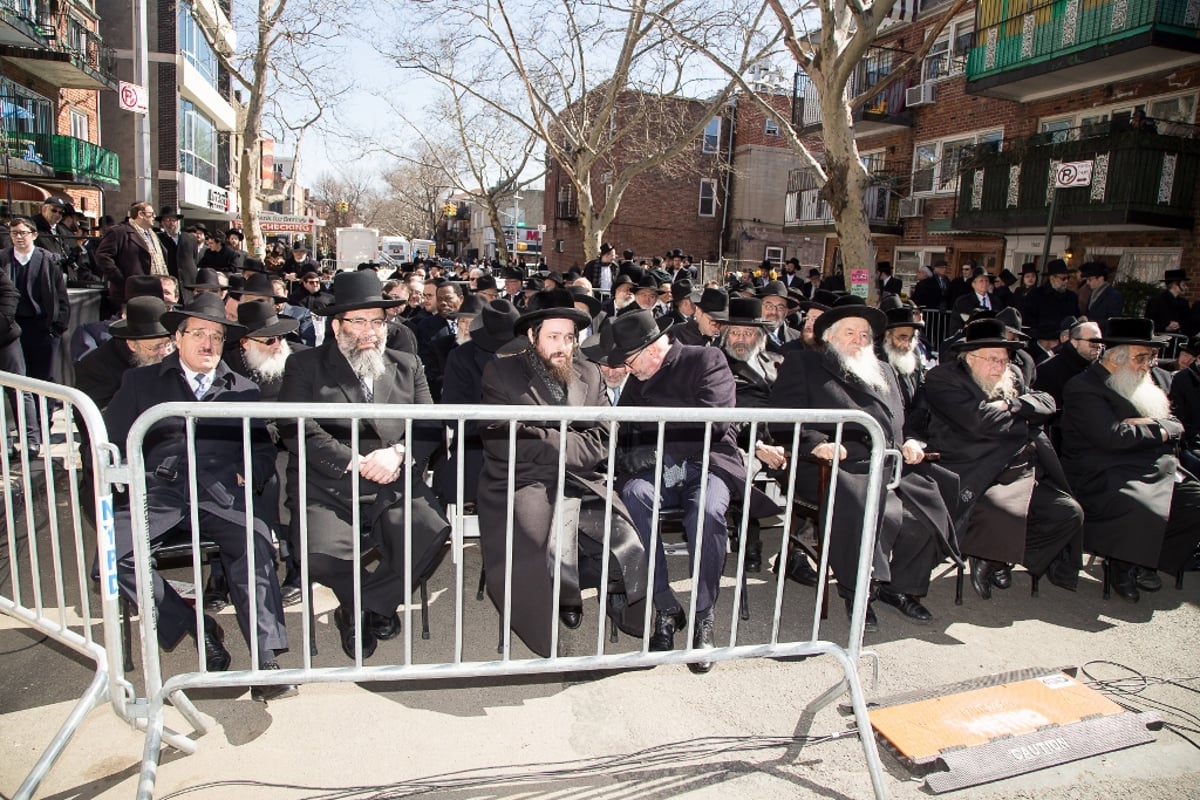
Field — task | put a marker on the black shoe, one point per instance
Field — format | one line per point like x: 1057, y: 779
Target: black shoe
x: 870, y: 621
x: 906, y: 604
x: 798, y: 568
x: 265, y: 694
x: 216, y: 657
x: 665, y: 625
x: 1148, y: 580
x: 216, y: 593
x: 981, y: 576
x: 571, y: 616
x: 1122, y: 579
x: 1062, y: 573
x: 344, y: 619
x: 382, y: 627
x: 754, y: 556
x: 1001, y: 575
x: 702, y: 639
x: 290, y: 590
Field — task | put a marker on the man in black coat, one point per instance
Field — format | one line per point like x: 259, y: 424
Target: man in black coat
x: 885, y: 282
x: 180, y: 247
x: 542, y: 370
x: 978, y: 295
x: 1104, y: 302
x: 137, y: 340
x: 601, y: 271
x: 1169, y: 309
x: 219, y: 255
x: 442, y: 324
x: 195, y: 372
x: 928, y: 292
x: 1072, y: 358
x: 1015, y: 505
x: 353, y: 366
x: 43, y: 308
x: 1119, y: 441
x: 777, y: 304
x: 51, y: 236
x: 1185, y: 404
x: 899, y: 348
x: 913, y: 518
x: 701, y: 330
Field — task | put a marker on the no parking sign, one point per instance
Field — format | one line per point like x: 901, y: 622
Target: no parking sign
x: 1073, y: 173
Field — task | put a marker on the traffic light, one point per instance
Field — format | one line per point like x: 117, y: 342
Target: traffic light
x: 449, y: 210
x: 343, y: 206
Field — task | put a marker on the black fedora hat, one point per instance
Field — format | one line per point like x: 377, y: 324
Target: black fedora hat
x: 1173, y: 275
x: 1029, y: 268
x: 1131, y: 330
x: 1193, y: 346
x: 1006, y: 277
x: 902, y: 317
x: 848, y: 306
x: 745, y: 311
x: 258, y: 285
x: 470, y: 306
x: 205, y: 306
x: 513, y: 274
x: 353, y: 291
x: 493, y: 328
x: 605, y: 248
x: 206, y: 278
x: 581, y: 295
x: 822, y: 300
x: 598, y: 346
x: 485, y: 282
x: 714, y: 302
x: 261, y: 321
x: 623, y: 280
x: 169, y: 211
x: 1058, y: 267
x: 681, y: 288
x: 252, y: 264
x: 633, y: 332
x: 551, y: 304
x: 1094, y: 269
x: 143, y: 319
x: 143, y: 286
x: 778, y: 289
x: 1012, y: 319
x: 235, y: 232
x: 985, y: 332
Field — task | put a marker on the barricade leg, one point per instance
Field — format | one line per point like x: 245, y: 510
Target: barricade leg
x: 96, y: 695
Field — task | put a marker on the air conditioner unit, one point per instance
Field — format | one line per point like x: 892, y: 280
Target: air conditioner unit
x: 912, y: 206
x: 919, y: 95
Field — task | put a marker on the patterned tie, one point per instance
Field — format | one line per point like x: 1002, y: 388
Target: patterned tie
x: 366, y: 388
x: 201, y: 386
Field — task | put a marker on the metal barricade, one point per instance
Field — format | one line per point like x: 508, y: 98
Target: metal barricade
x: 939, y: 326
x: 787, y: 634
x: 49, y: 545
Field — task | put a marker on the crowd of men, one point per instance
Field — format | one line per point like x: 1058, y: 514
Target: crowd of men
x: 1020, y: 443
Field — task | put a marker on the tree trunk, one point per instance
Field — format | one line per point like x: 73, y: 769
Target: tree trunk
x: 498, y: 232
x: 250, y: 166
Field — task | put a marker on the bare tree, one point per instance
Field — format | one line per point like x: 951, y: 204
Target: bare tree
x: 597, y: 83
x: 347, y: 197
x: 829, y: 55
x: 417, y: 188
x: 288, y: 71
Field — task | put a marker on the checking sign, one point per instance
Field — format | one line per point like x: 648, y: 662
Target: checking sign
x: 1073, y: 173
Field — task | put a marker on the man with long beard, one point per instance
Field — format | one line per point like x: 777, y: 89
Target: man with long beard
x: 1119, y: 440
x: 913, y: 516
x: 354, y: 366
x: 1014, y: 501
x: 899, y: 348
x: 545, y: 372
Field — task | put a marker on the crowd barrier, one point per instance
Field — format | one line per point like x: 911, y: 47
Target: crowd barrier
x: 788, y: 633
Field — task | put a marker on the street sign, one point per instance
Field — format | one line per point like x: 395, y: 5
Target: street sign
x: 1073, y: 173
x: 541, y: 228
x: 133, y: 98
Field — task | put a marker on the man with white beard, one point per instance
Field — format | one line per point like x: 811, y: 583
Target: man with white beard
x: 899, y: 348
x: 354, y: 366
x: 914, y: 516
x: 1014, y: 500
x: 1119, y: 440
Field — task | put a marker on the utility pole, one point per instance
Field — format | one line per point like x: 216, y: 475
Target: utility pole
x: 142, y: 183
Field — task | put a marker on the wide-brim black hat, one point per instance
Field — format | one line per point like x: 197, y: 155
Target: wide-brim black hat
x: 1011, y: 317
x: 206, y: 278
x: 634, y: 332
x: 713, y: 301
x: 143, y: 286
x: 1173, y: 275
x: 1058, y: 267
x: 987, y: 332
x: 1094, y: 269
x: 902, y: 317
x: 746, y: 311
x: 205, y: 306
x: 354, y: 291
x: 261, y: 321
x: 493, y: 328
x: 1131, y: 331
x: 846, y: 307
x: 598, y: 346
x: 778, y: 289
x: 471, y: 305
x: 169, y: 211
x: 582, y: 295
x: 822, y: 300
x: 259, y: 285
x: 552, y: 304
x: 143, y: 319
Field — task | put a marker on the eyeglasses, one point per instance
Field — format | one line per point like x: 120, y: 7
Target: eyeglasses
x: 215, y: 337
x: 359, y: 322
x: 20, y: 232
x: 154, y: 347
x: 312, y: 280
x: 54, y: 210
x: 993, y: 361
x: 267, y: 340
x: 1143, y: 359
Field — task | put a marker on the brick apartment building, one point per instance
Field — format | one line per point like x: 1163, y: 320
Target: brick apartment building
x: 53, y: 66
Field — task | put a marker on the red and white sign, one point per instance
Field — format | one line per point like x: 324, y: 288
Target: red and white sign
x: 1073, y: 173
x: 134, y: 98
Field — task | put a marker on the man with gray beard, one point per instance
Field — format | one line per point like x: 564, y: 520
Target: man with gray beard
x: 1119, y: 440
x: 353, y: 366
x: 1014, y: 501
x: 914, y: 516
x: 899, y: 348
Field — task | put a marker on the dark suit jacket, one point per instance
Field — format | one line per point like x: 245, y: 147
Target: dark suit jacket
x: 1185, y: 403
x: 121, y: 253
x: 1105, y: 305
x: 181, y: 256
x: 224, y: 260
x: 44, y: 280
x: 927, y: 294
x: 99, y: 373
x: 10, y: 331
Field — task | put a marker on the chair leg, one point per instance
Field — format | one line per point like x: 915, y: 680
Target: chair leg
x: 1107, y: 591
x: 312, y: 622
x: 482, y: 583
x: 126, y: 642
x: 1033, y: 590
x: 745, y: 603
x: 958, y: 585
x: 1179, y: 579
x: 500, y: 638
x: 424, y: 610
x: 612, y: 635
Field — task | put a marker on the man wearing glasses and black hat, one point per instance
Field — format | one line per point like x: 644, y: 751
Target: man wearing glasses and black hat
x: 50, y: 237
x: 354, y: 366
x: 195, y: 372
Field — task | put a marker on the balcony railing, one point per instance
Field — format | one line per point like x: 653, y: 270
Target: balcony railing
x: 1042, y: 31
x: 875, y: 66
x: 31, y: 17
x: 805, y: 207
x: 83, y: 162
x: 88, y: 51
x: 1138, y: 178
x: 27, y: 152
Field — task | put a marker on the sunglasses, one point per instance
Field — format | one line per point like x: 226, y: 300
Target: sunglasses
x: 268, y: 340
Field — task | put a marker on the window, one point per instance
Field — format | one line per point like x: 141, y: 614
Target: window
x: 774, y: 255
x: 79, y: 125
x: 905, y: 264
x: 708, y: 198
x: 770, y: 127
x: 948, y: 54
x: 197, y: 143
x: 936, y: 164
x: 194, y: 48
x: 1172, y: 115
x: 712, y: 136
x: 1145, y: 264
